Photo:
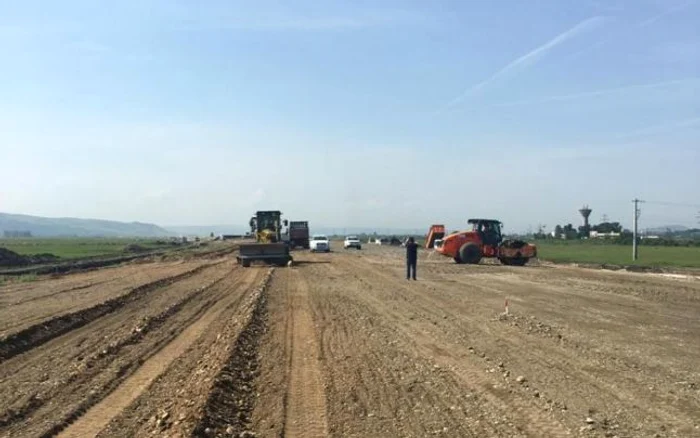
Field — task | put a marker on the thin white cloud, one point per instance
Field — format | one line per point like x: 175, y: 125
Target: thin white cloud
x: 657, y: 17
x: 598, y: 93
x: 662, y: 128
x: 531, y: 57
x: 644, y: 23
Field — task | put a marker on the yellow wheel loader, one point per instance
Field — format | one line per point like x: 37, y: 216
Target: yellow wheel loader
x: 269, y: 247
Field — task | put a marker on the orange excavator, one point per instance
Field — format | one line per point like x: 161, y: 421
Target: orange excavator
x: 436, y: 233
x: 483, y: 240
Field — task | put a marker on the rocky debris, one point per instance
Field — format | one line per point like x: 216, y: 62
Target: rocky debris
x: 532, y: 326
x: 230, y: 402
x: 521, y: 379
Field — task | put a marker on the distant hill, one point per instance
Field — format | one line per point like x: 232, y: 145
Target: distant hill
x: 50, y: 227
x: 197, y: 230
x: 205, y: 230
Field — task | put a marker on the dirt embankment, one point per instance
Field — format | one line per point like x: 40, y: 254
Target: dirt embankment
x: 12, y: 259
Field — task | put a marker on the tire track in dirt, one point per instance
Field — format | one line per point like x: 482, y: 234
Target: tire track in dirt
x: 113, y: 349
x: 41, y: 333
x: 99, y: 416
x: 532, y: 418
x: 21, y: 308
x: 231, y: 399
x: 378, y: 384
x: 588, y: 371
x: 58, y: 381
x: 305, y: 401
x: 622, y: 361
x: 62, y: 291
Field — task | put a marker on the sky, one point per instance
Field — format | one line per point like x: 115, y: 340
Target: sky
x: 377, y: 113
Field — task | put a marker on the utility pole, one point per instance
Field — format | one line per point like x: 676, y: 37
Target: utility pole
x: 635, y: 218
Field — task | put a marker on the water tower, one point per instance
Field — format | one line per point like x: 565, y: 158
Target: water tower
x: 585, y: 212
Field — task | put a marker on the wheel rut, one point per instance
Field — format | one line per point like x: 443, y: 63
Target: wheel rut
x: 97, y: 418
x: 305, y: 400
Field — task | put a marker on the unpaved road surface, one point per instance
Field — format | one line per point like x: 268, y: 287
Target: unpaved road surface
x: 342, y: 344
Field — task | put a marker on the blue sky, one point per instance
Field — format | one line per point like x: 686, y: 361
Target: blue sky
x: 358, y: 113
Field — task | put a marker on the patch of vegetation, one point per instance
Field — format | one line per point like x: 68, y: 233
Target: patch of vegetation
x: 616, y: 254
x: 5, y: 280
x: 27, y: 278
x: 76, y: 248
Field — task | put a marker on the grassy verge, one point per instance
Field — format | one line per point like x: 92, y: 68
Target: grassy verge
x: 585, y: 252
x: 76, y: 248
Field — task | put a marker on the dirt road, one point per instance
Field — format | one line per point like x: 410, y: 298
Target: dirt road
x: 342, y: 345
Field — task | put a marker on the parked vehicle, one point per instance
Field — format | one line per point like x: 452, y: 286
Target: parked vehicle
x: 320, y: 243
x: 352, y: 242
x: 298, y: 234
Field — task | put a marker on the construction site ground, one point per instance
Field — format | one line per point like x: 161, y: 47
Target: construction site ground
x: 341, y: 344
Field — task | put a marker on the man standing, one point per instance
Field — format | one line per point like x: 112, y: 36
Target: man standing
x: 411, y: 258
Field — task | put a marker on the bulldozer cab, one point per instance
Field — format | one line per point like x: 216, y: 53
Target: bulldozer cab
x: 488, y: 229
x: 267, y: 226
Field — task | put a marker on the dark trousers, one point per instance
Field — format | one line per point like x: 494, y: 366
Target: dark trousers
x: 410, y: 265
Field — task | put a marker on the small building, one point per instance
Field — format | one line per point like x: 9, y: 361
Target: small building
x: 598, y: 235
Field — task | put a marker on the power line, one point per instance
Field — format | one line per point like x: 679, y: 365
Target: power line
x: 676, y: 204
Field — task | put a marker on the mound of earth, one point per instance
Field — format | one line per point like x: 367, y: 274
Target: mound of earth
x: 11, y: 258
x: 134, y: 248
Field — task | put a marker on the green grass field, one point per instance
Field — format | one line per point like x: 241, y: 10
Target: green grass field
x: 74, y: 248
x: 585, y: 252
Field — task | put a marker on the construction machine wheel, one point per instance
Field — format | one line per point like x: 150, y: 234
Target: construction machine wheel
x: 514, y: 261
x: 469, y: 253
x: 245, y: 263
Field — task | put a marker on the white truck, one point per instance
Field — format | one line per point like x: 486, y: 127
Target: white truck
x: 319, y: 243
x: 352, y: 242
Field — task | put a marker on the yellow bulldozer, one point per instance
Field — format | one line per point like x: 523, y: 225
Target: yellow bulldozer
x: 269, y: 247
